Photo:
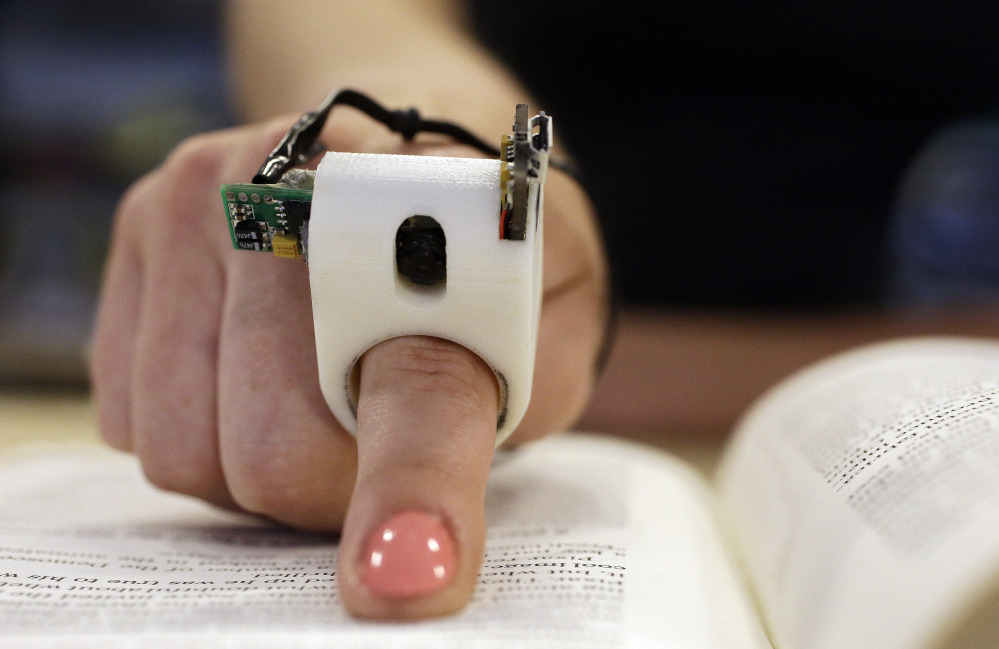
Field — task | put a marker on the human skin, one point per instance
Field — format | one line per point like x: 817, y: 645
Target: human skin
x: 204, y: 367
x: 204, y: 359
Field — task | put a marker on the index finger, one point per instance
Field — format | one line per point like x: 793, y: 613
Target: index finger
x: 415, y: 529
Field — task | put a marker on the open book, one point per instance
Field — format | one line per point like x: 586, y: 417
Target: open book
x: 856, y: 507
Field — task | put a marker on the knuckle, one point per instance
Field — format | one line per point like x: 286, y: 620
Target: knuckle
x: 174, y: 445
x: 129, y: 214
x: 136, y: 194
x: 163, y: 202
x: 265, y: 485
x: 199, y: 156
x: 272, y: 476
x: 170, y: 473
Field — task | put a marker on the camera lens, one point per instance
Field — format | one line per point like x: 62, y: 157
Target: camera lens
x: 420, y: 253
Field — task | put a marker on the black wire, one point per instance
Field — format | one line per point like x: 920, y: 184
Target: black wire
x: 301, y: 142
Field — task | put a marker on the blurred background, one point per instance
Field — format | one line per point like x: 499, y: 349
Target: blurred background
x: 92, y: 96
x: 842, y: 154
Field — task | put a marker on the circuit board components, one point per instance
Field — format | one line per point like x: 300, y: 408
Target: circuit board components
x: 466, y: 232
x: 273, y: 215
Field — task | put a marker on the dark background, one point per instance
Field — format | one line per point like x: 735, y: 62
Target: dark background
x: 743, y: 155
x: 747, y: 154
x: 92, y: 95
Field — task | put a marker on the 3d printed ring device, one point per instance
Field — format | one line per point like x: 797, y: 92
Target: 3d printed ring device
x: 414, y: 245
x: 411, y: 245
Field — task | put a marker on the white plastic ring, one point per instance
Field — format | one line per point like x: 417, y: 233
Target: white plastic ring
x: 489, y: 302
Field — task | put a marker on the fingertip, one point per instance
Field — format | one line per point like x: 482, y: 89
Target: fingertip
x: 415, y: 531
x: 412, y: 554
x: 414, y: 564
x: 411, y: 564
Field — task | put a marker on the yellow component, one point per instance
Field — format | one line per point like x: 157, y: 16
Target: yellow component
x: 506, y: 145
x: 286, y: 245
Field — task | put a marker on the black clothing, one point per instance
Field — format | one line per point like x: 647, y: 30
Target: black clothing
x: 746, y: 154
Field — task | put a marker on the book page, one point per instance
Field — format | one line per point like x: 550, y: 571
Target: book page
x: 593, y: 543
x: 865, y: 495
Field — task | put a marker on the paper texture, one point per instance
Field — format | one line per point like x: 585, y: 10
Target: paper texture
x: 592, y: 544
x: 865, y: 495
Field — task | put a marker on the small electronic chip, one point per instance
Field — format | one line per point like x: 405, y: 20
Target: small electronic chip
x: 250, y: 234
x: 286, y: 245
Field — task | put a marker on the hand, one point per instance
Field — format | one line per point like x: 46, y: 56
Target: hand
x: 204, y: 366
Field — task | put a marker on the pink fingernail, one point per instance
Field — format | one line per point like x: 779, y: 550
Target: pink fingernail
x: 410, y: 555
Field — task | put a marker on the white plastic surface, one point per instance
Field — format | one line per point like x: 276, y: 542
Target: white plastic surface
x: 489, y: 304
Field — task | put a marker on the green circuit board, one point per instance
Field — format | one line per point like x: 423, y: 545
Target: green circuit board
x: 271, y: 218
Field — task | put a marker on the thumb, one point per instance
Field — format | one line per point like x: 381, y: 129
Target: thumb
x: 415, y: 529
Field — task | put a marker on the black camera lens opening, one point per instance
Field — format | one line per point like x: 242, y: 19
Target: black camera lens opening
x: 420, y: 251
